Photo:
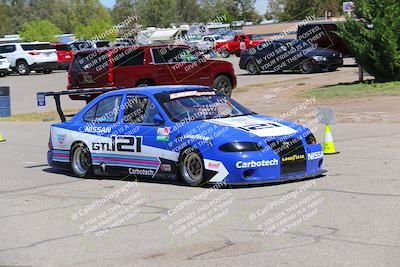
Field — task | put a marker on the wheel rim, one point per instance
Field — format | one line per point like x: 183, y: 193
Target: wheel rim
x: 193, y: 167
x: 80, y: 161
x: 251, y: 68
x: 224, y: 53
x: 224, y: 87
x: 22, y: 68
x: 306, y: 67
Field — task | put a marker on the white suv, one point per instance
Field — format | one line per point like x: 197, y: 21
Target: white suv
x: 4, y: 66
x: 25, y: 57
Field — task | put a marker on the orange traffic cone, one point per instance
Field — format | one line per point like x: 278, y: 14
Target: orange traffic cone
x: 329, y: 147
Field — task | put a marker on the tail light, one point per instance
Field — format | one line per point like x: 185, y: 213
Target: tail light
x: 110, y: 71
x: 34, y: 53
x: 69, y: 81
x: 50, y: 145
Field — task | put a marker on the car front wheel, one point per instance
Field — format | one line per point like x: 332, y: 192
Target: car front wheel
x: 223, y: 84
x: 191, y: 167
x: 252, y: 68
x: 81, y: 163
x: 225, y: 53
x: 307, y: 67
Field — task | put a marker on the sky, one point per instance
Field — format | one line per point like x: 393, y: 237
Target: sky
x: 261, y: 5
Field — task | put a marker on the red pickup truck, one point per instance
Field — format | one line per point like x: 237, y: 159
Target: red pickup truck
x: 126, y: 67
x: 240, y: 42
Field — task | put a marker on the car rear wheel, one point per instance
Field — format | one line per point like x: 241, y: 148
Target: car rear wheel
x: 2, y: 74
x: 252, y: 68
x: 191, y: 167
x: 223, y: 84
x: 23, y: 68
x: 47, y: 71
x: 307, y: 67
x: 81, y: 163
x: 224, y: 53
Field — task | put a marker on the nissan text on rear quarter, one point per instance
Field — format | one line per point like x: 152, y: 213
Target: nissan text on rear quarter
x: 192, y: 133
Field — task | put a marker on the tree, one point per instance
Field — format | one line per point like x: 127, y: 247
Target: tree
x: 187, y: 10
x: 39, y: 30
x: 299, y: 9
x: 83, y: 12
x: 122, y: 10
x: 97, y: 29
x: 374, y: 37
x: 160, y: 13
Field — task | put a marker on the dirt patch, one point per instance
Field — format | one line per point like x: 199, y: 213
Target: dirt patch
x: 278, y: 98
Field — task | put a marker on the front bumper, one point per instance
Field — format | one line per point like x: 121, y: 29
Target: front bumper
x: 330, y: 64
x: 5, y: 71
x: 265, y: 166
x: 283, y: 179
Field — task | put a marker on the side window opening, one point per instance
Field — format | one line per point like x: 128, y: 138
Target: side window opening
x: 7, y: 48
x: 175, y: 55
x: 105, y: 111
x: 128, y: 57
x: 139, y: 110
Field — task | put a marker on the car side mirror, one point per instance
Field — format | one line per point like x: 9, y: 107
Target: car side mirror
x: 158, y: 120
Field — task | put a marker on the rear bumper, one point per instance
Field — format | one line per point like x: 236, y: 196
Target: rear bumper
x: 63, y: 65
x: 44, y: 65
x: 58, y: 158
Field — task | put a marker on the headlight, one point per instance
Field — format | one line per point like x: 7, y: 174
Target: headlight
x: 319, y: 58
x: 310, y: 139
x: 240, y: 147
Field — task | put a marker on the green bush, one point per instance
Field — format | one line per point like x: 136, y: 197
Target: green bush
x: 97, y: 29
x: 373, y: 37
x: 39, y: 30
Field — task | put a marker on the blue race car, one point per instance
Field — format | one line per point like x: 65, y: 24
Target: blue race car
x: 189, y: 132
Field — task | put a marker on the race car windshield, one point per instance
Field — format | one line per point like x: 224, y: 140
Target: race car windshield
x: 201, y: 107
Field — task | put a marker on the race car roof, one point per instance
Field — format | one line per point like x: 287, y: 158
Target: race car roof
x: 152, y: 90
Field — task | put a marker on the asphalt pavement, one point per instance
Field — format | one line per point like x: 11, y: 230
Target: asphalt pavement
x: 347, y: 218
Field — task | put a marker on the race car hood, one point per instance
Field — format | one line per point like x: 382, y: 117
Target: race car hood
x: 241, y: 128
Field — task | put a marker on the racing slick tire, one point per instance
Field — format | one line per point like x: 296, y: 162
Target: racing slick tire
x: 252, y: 68
x: 191, y: 167
x: 22, y: 67
x: 307, y: 67
x: 81, y: 161
x: 223, y: 84
x: 224, y: 53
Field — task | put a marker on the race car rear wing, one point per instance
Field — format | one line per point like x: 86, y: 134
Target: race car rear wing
x: 84, y: 93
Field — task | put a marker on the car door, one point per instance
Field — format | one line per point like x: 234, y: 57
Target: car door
x: 265, y: 56
x: 150, y: 137
x: 129, y: 67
